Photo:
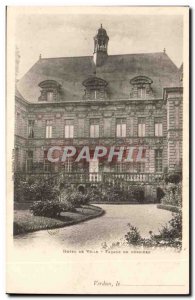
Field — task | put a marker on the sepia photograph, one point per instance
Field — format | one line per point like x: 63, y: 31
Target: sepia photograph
x: 98, y: 108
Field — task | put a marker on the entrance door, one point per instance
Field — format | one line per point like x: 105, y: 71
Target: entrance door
x: 94, y: 170
x: 160, y: 194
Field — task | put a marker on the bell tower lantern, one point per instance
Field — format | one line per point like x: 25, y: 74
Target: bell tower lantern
x: 100, y: 46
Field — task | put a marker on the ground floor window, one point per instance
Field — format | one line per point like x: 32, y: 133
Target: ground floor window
x: 94, y: 170
x: 140, y: 167
x: 68, y: 165
x: 121, y: 167
x: 158, y: 160
x: 29, y: 161
x: 47, y: 163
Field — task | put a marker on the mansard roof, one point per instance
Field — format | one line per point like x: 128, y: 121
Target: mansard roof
x: 117, y: 71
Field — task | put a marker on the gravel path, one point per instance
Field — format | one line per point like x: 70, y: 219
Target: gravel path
x: 111, y: 227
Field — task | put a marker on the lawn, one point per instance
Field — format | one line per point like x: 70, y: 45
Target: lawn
x: 25, y: 222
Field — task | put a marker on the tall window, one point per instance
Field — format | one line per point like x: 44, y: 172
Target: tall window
x: 68, y: 165
x: 121, y: 127
x: 49, y: 96
x: 141, y: 127
x: 158, y: 160
x: 29, y: 161
x: 132, y: 167
x: 94, y: 128
x: 48, y: 129
x: 31, y: 124
x: 140, y: 167
x: 158, y: 127
x: 69, y: 129
x: 47, y: 163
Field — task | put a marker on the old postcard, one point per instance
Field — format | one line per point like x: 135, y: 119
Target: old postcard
x: 98, y: 150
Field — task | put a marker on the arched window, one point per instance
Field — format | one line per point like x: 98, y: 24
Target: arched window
x: 141, y: 87
x: 95, y: 88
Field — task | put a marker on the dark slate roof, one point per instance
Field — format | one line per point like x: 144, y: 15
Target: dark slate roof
x: 117, y: 70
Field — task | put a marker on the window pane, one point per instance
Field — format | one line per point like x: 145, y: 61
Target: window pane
x: 160, y: 129
x: 139, y: 129
x: 47, y: 135
x: 118, y: 130
x: 92, y: 131
x: 143, y: 129
x: 71, y: 131
x: 158, y: 160
x: 156, y: 129
x: 67, y: 131
x: 49, y: 96
x: 68, y: 165
x: 93, y: 166
x: 50, y: 131
x: 96, y: 134
x: 123, y: 130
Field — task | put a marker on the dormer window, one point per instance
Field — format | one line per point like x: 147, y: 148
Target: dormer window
x: 95, y: 88
x: 50, y: 91
x: 141, y: 87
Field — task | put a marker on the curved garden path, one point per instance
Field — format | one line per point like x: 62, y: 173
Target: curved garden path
x: 111, y: 227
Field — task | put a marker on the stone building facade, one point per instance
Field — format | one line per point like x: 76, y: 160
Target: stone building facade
x: 110, y: 100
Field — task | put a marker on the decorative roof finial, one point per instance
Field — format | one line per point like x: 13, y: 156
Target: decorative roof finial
x: 164, y: 50
x: 40, y: 56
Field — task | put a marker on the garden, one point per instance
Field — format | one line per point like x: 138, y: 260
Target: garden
x: 169, y: 235
x: 50, y: 205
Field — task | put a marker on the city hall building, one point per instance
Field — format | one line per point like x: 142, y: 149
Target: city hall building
x: 110, y: 100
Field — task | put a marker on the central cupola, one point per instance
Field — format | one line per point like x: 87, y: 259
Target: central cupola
x: 100, y: 47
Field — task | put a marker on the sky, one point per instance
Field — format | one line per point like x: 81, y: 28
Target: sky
x: 72, y: 35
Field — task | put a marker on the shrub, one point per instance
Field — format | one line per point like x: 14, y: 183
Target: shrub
x: 47, y: 208
x: 95, y: 195
x: 29, y: 190
x: 169, y: 236
x: 116, y: 194
x: 174, y: 177
x: 173, y: 195
x: 133, y: 237
x: 73, y: 199
x: 17, y: 228
x: 110, y: 193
